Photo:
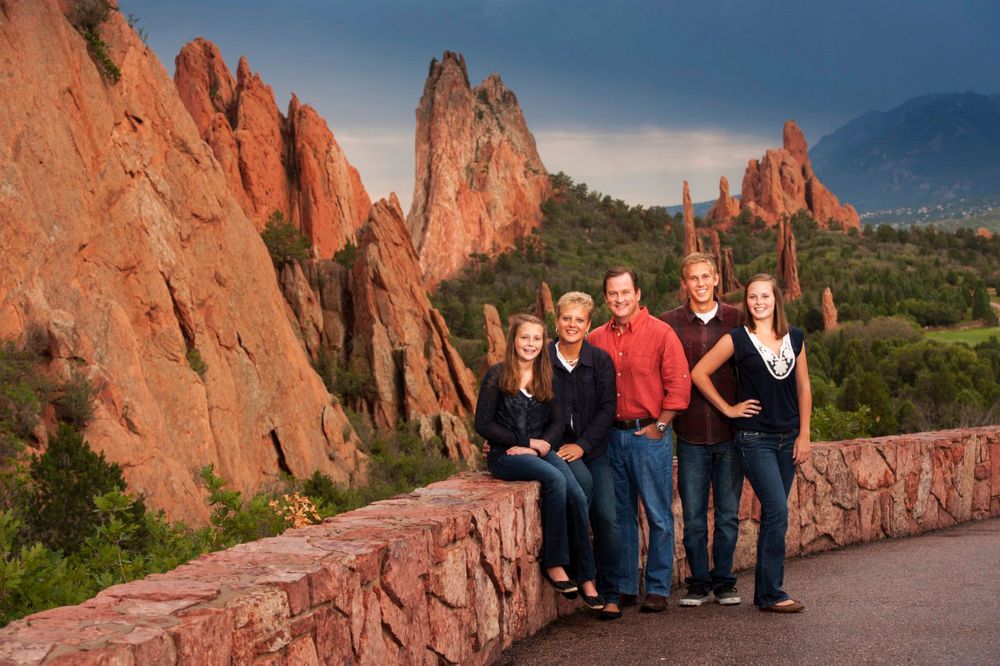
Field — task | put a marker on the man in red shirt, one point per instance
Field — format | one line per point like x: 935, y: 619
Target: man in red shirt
x: 706, y: 453
x: 653, y: 385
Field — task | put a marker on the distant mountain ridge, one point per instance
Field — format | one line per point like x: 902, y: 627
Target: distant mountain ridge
x: 931, y: 148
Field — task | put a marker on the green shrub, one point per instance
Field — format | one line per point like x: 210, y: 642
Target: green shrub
x: 233, y: 520
x: 346, y: 255
x: 829, y: 424
x: 87, y: 16
x: 285, y: 243
x: 74, y: 402
x: 196, y: 362
x: 63, y: 483
x: 23, y: 393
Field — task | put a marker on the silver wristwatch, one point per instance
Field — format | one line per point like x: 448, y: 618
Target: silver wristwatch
x: 662, y: 427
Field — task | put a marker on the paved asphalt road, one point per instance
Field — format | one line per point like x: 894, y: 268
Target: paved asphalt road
x: 932, y: 599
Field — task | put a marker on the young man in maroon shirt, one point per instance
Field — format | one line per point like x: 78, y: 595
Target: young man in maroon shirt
x: 653, y: 385
x: 706, y: 453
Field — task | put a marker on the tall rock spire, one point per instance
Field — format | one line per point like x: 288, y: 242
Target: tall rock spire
x: 788, y: 261
x: 690, y: 235
x: 725, y: 209
x: 479, y: 181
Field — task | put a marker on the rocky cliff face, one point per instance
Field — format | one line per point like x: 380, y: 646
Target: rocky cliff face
x: 417, y: 374
x: 273, y: 162
x: 375, y: 319
x: 479, y: 181
x: 783, y: 183
x: 120, y: 238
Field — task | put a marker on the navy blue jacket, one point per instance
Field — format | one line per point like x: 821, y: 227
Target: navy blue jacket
x: 588, y: 395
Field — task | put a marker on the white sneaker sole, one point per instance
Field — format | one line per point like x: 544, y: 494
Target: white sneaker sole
x: 731, y: 601
x: 692, y: 602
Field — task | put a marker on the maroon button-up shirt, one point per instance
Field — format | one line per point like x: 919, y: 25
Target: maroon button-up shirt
x: 701, y: 422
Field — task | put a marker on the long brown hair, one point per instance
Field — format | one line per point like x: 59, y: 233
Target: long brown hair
x: 780, y: 320
x: 541, y: 371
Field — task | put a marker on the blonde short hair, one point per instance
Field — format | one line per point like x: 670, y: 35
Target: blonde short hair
x: 698, y: 258
x: 575, y: 299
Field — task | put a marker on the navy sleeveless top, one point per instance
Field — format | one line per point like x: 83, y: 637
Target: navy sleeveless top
x: 769, y: 378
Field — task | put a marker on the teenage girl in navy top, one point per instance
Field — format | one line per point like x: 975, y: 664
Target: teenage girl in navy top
x: 771, y: 420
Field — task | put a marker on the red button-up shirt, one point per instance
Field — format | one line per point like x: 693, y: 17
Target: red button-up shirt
x: 652, y: 371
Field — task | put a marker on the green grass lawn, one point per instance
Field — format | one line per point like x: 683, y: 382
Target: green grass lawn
x: 970, y: 336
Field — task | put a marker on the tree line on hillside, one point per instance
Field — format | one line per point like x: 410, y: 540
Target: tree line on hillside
x: 875, y: 375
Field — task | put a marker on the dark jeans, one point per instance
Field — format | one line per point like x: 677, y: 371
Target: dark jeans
x: 767, y: 461
x: 644, y: 469
x: 699, y: 465
x: 597, y: 481
x: 564, y: 507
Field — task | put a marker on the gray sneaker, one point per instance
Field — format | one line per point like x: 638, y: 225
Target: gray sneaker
x: 727, y: 595
x: 696, y: 596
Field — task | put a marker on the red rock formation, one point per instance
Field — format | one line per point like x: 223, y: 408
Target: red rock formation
x: 119, y: 237
x: 543, y: 301
x: 403, y: 341
x: 479, y: 181
x: 496, y: 337
x: 829, y: 311
x: 729, y: 281
x: 788, y: 261
x: 690, y: 235
x: 725, y: 209
x: 272, y: 162
x: 783, y: 183
x: 717, y: 254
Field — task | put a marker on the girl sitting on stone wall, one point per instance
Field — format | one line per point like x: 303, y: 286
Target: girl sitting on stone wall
x: 519, y: 417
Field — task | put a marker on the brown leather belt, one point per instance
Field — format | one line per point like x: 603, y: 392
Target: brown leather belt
x: 633, y: 424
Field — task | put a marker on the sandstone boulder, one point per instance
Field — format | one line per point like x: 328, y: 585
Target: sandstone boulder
x: 479, y: 181
x: 120, y: 237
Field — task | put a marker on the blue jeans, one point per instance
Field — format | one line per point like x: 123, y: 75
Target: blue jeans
x: 597, y: 481
x: 699, y: 465
x: 643, y: 469
x: 767, y: 461
x: 564, y: 507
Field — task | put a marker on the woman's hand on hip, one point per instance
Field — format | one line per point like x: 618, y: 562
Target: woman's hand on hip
x: 540, y: 446
x: 743, y: 410
x: 570, y: 452
x: 521, y: 451
x: 802, y: 450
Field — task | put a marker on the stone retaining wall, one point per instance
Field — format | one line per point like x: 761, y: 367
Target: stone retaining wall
x: 449, y: 573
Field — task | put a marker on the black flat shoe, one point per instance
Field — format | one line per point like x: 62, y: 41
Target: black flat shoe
x: 595, y: 602
x: 606, y: 615
x: 564, y: 587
